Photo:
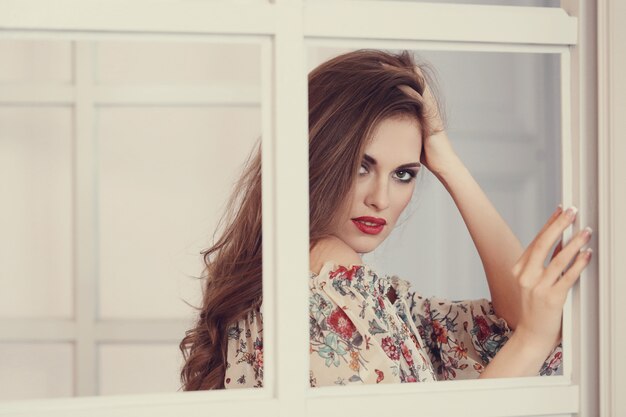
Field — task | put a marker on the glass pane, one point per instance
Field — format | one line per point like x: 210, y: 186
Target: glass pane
x: 36, y: 213
x: 138, y: 368
x: 503, y: 122
x: 35, y: 61
x: 32, y: 370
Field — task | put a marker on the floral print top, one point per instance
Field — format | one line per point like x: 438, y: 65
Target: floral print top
x: 357, y: 335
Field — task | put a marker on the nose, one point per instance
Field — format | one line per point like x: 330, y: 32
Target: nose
x: 378, y: 194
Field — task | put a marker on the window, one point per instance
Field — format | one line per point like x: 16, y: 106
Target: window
x: 283, y: 31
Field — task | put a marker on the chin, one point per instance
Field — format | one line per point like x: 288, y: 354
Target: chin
x: 363, y: 248
x: 362, y: 244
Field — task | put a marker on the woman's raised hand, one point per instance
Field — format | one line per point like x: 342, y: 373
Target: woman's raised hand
x: 437, y: 154
x: 543, y: 289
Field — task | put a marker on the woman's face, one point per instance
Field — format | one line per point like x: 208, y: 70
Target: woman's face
x: 384, y: 184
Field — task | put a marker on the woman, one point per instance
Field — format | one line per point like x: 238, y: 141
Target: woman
x: 373, y: 123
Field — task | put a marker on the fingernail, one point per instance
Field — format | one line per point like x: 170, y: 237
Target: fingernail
x: 559, y: 209
x: 571, y: 212
x: 588, y: 253
x: 587, y: 232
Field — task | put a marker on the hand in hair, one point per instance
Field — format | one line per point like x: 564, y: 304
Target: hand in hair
x: 437, y: 152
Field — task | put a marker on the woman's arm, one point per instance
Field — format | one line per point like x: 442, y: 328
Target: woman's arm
x: 526, y: 294
x: 520, y: 356
x: 543, y: 291
x: 497, y: 246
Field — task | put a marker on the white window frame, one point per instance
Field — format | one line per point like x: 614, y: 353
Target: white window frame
x: 283, y: 29
x: 611, y: 154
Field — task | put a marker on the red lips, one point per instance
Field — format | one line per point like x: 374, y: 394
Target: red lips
x: 368, y: 229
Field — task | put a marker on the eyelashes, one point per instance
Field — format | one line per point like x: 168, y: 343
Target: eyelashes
x: 409, y: 175
x: 403, y: 176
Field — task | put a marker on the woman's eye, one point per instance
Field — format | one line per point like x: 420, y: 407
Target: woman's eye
x: 363, y: 170
x: 405, y: 176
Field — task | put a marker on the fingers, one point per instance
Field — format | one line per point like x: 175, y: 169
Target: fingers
x: 544, y: 240
x: 553, y: 217
x: 566, y: 255
x: 571, y: 276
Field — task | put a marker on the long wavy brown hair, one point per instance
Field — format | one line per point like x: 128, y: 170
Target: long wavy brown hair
x: 349, y: 95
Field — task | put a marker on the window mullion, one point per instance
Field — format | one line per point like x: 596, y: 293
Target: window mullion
x: 291, y: 211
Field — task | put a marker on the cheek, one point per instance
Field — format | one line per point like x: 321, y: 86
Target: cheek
x: 347, y: 209
x: 403, y: 199
x: 356, y: 199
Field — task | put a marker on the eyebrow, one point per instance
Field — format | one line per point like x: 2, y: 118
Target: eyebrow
x: 409, y: 165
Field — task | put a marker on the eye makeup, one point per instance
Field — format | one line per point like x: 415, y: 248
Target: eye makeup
x: 410, y: 172
x: 369, y: 160
x: 372, y: 161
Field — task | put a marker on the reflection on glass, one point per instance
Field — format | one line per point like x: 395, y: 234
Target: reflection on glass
x: 114, y: 177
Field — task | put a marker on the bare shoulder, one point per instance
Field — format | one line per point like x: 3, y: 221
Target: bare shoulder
x: 332, y: 249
